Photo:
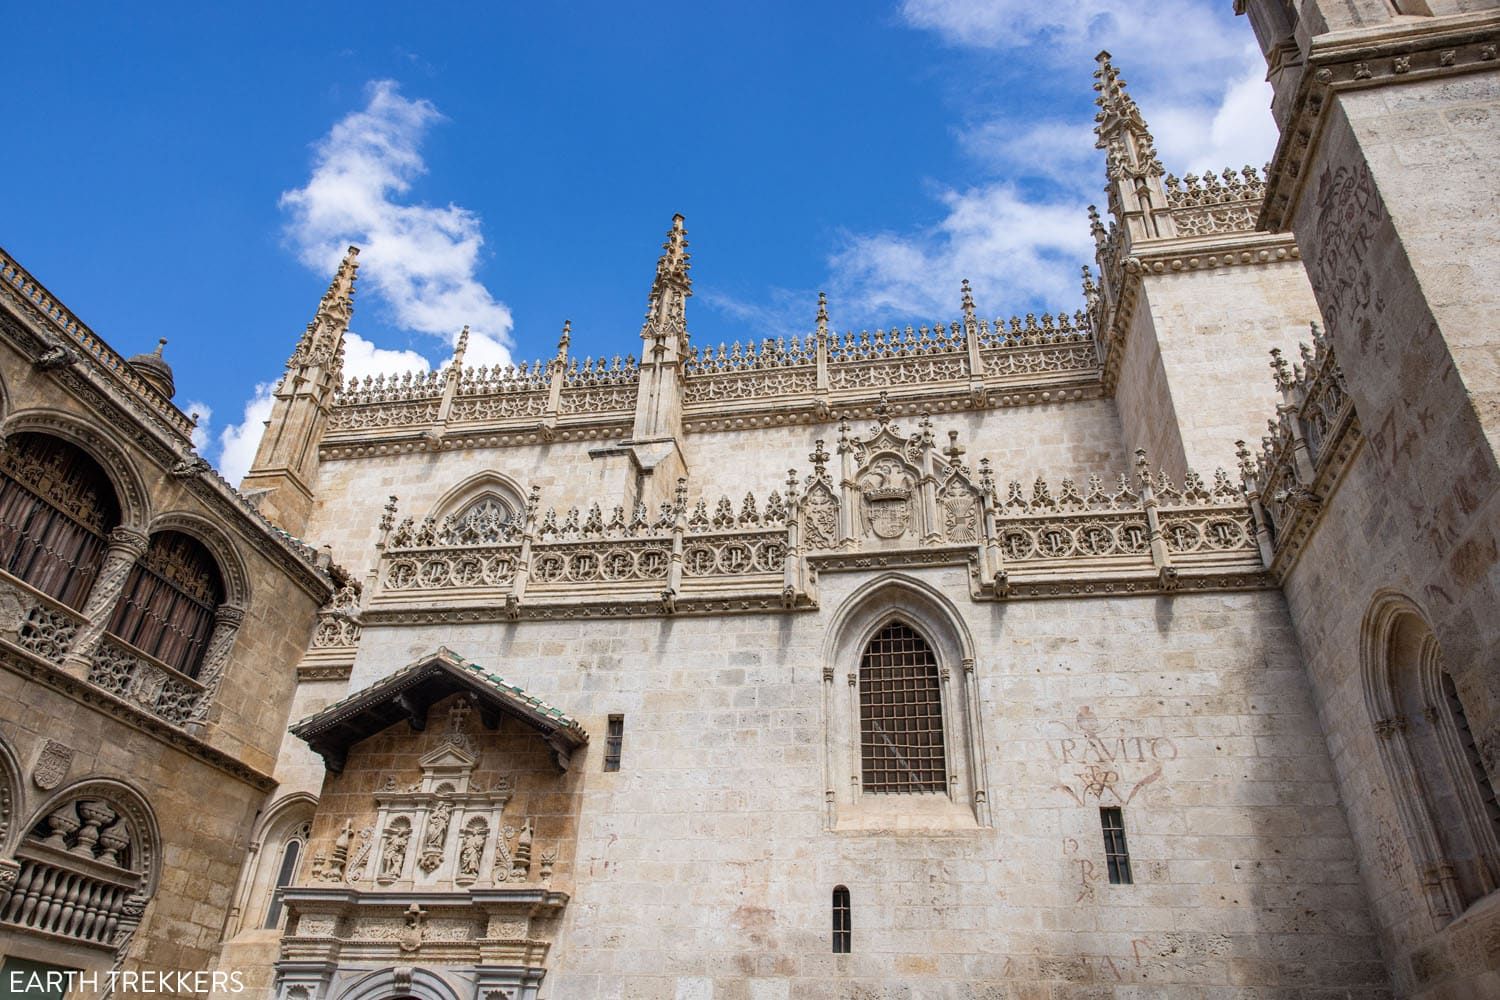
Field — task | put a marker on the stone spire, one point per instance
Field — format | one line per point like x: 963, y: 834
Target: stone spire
x: 1119, y: 128
x: 322, y: 344
x: 666, y: 308
x: 284, y: 474
x: 1137, y: 198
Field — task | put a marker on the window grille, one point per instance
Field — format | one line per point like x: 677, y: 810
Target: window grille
x: 1116, y: 854
x: 614, y: 740
x: 1482, y: 783
x: 900, y: 714
x: 167, y: 609
x: 842, y: 936
x: 56, y: 507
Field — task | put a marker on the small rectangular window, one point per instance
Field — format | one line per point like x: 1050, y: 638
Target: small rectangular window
x: 614, y: 738
x: 1116, y: 854
x: 842, y: 937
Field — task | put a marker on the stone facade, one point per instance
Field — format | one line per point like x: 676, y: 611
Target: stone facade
x: 978, y: 659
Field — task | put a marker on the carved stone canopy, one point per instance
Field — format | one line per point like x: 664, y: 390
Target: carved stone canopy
x: 407, y: 694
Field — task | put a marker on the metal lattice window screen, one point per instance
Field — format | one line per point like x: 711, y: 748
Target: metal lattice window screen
x: 842, y: 922
x: 1116, y: 853
x: 614, y: 742
x: 901, y: 714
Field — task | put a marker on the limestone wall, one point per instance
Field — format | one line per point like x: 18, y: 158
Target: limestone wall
x: 704, y: 868
x: 1213, y: 330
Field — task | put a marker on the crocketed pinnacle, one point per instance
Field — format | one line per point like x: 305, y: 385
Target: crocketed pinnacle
x: 666, y: 308
x: 323, y: 341
x: 674, y: 265
x: 1119, y: 127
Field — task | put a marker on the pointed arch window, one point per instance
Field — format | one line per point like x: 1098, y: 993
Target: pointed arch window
x: 167, y: 609
x: 291, y: 853
x: 901, y: 714
x: 56, y: 508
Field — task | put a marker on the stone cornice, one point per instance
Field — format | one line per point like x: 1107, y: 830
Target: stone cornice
x: 1403, y: 52
x: 1177, y: 256
x: 28, y: 665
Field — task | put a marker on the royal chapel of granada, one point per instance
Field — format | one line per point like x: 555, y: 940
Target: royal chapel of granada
x: 1146, y: 648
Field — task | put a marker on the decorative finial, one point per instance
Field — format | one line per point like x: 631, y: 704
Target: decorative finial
x: 159, y: 345
x: 968, y: 303
x: 883, y: 408
x: 460, y: 347
x: 566, y: 338
x: 954, y: 452
x: 822, y: 315
x: 819, y: 458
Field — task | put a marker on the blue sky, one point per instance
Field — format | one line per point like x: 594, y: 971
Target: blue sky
x: 193, y: 170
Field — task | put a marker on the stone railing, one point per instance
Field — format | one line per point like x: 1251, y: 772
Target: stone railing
x: 16, y: 281
x: 953, y: 358
x: 579, y: 554
x: 977, y: 359
x: 98, y: 907
x: 131, y: 675
x: 1305, y: 448
x: 47, y: 628
x: 1215, y: 204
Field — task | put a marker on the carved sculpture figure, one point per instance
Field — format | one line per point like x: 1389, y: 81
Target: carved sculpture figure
x: 437, y: 835
x: 393, y: 850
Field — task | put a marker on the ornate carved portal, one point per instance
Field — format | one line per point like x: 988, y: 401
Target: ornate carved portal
x: 450, y: 869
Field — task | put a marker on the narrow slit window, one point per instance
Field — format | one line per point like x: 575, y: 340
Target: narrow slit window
x: 1116, y: 854
x: 283, y: 879
x: 842, y: 938
x: 614, y: 740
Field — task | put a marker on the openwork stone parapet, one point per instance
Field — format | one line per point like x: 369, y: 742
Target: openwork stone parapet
x: 896, y: 500
x: 1305, y: 452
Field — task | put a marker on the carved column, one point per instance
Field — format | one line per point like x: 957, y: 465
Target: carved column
x: 227, y: 621
x: 126, y: 545
x: 830, y: 814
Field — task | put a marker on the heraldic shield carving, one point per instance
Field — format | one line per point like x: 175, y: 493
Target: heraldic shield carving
x: 52, y: 765
x: 887, y: 488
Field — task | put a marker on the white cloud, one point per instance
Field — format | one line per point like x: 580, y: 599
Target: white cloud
x: 1185, y: 35
x: 362, y: 358
x: 1012, y: 250
x: 238, y: 442
x: 1199, y: 82
x: 205, y: 415
x: 421, y: 260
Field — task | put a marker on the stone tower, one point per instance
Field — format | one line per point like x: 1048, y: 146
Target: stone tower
x: 1390, y: 541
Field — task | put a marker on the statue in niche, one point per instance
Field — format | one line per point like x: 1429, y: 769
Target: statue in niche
x: 437, y: 835
x: 393, y: 851
x: 472, y: 850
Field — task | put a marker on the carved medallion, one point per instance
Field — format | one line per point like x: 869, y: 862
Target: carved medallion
x: 52, y: 765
